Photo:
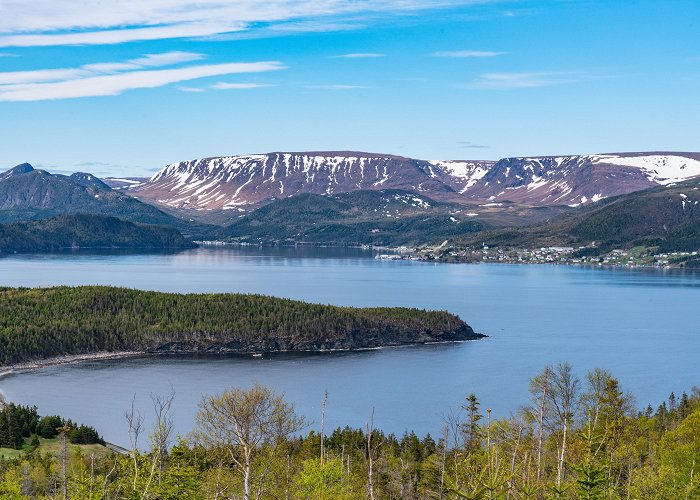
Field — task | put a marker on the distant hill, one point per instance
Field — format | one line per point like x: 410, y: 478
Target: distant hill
x: 86, y: 231
x: 239, y: 184
x: 388, y: 217
x: 29, y: 194
x: 665, y: 217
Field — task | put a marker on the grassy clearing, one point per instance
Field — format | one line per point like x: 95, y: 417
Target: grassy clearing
x: 53, y: 447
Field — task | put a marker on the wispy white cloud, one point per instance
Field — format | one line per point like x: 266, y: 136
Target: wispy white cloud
x: 190, y: 89
x: 237, y: 86
x: 87, y: 70
x: 89, y: 22
x: 42, y: 75
x: 8, y: 54
x: 225, y: 86
x: 114, y: 84
x: 472, y: 145
x: 167, y: 58
x: 468, y: 53
x: 498, y: 81
x: 359, y: 55
x: 108, y: 37
x: 337, y: 87
x: 292, y: 28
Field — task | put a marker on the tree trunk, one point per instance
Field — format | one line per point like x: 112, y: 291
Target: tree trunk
x: 560, y: 466
x: 246, y: 469
x: 512, y: 462
x: 540, y: 433
x: 323, y: 424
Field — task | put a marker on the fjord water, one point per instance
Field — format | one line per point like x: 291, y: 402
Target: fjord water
x: 640, y: 324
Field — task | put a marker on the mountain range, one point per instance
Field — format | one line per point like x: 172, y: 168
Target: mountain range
x: 243, y: 183
x: 351, y: 198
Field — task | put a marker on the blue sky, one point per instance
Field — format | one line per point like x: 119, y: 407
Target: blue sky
x: 124, y: 88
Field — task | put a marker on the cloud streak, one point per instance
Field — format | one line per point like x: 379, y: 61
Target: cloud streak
x: 95, y: 69
x: 238, y: 86
x: 471, y: 145
x: 359, y: 55
x: 190, y: 89
x: 337, y: 87
x: 72, y: 86
x: 95, y: 22
x: 463, y: 54
x: 502, y: 81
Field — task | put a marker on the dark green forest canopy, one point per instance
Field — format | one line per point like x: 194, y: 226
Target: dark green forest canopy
x: 86, y: 231
x: 43, y: 322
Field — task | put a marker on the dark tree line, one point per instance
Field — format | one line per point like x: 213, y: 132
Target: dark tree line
x: 86, y: 231
x: 17, y: 423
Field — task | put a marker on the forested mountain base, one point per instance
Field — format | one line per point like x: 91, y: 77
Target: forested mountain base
x: 667, y: 218
x: 44, y: 322
x: 86, y: 231
x: 574, y: 440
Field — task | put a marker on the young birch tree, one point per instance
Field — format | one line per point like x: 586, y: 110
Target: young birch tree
x: 245, y: 423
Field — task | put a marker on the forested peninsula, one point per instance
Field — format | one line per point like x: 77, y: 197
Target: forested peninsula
x: 39, y: 323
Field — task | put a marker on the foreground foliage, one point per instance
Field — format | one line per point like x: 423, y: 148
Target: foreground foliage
x: 576, y: 439
x: 39, y: 323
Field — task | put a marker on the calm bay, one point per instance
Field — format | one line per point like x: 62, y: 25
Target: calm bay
x: 639, y: 324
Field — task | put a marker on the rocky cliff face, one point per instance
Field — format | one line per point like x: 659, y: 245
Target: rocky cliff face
x: 242, y: 183
x: 351, y: 341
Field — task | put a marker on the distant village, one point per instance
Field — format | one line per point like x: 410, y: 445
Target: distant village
x: 635, y: 257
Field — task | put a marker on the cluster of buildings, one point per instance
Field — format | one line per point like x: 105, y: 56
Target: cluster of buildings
x: 637, y: 257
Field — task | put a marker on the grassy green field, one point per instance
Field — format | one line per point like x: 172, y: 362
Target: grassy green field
x: 53, y: 446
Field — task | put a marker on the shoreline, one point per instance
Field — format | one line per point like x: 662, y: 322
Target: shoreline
x: 30, y: 366
x: 67, y: 359
x: 405, y: 253
x: 416, y: 254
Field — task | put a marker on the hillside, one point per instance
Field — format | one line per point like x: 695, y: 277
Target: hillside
x: 40, y: 323
x: 28, y: 194
x: 581, y: 179
x: 239, y: 184
x: 665, y: 217
x: 387, y: 217
x: 86, y: 231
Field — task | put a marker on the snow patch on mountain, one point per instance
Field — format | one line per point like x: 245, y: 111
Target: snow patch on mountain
x: 468, y: 171
x: 249, y: 181
x: 661, y: 169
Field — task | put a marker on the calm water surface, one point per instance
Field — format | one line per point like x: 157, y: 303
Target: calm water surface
x: 641, y: 325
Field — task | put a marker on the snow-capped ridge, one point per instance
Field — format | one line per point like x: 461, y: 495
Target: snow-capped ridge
x: 246, y: 181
